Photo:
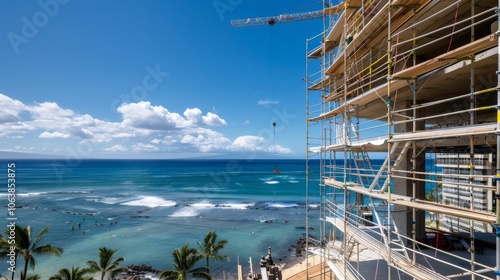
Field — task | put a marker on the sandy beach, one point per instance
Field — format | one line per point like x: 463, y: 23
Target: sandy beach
x: 297, y: 269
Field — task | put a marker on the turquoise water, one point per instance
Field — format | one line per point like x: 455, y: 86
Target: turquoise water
x: 145, y: 209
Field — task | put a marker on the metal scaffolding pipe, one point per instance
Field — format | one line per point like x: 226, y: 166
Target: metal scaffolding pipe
x: 389, y: 137
x: 412, y: 26
x: 451, y: 113
x: 345, y: 138
x: 451, y: 25
x: 472, y: 121
x: 497, y: 194
x: 437, y: 102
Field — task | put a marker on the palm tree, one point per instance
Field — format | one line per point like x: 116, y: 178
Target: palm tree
x: 210, y: 248
x: 74, y: 274
x: 184, y: 260
x: 27, y: 247
x: 431, y: 196
x: 6, y: 253
x: 106, y: 265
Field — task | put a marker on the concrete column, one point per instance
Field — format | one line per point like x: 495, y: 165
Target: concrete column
x: 403, y: 215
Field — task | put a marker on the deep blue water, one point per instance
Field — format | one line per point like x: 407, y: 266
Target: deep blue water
x: 146, y: 208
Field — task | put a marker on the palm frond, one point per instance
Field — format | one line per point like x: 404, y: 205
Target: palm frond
x: 202, y: 275
x: 74, y: 274
x: 202, y: 269
x: 117, y: 271
x: 32, y: 262
x: 39, y: 237
x: 210, y: 248
x: 106, y: 263
x: 47, y: 249
x: 169, y: 275
x: 34, y: 277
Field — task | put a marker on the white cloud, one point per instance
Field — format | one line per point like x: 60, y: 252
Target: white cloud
x: 19, y: 148
x: 148, y: 128
x: 16, y: 127
x: 9, y: 116
x: 49, y: 111
x: 248, y: 143
x: 55, y: 134
x: 142, y: 147
x: 205, y: 140
x: 101, y: 138
x: 266, y: 102
x: 82, y: 132
x: 193, y: 115
x: 116, y: 148
x: 7, y: 103
x: 123, y: 135
x: 10, y: 120
x: 143, y: 115
x: 168, y: 140
x: 279, y: 150
x: 213, y: 120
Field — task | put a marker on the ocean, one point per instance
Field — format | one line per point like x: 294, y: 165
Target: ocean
x: 146, y: 208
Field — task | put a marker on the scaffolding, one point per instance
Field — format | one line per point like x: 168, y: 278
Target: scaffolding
x: 397, y: 91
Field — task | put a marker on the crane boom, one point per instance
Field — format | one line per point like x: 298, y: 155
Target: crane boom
x: 284, y: 18
x: 276, y: 19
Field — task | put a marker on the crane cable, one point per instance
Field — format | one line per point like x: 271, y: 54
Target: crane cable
x: 275, y: 169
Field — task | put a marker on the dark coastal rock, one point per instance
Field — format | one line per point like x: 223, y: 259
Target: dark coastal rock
x: 299, y: 246
x: 74, y: 213
x: 140, y: 269
x: 303, y: 227
x: 139, y: 272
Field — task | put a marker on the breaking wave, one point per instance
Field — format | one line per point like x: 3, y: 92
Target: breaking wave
x: 150, y: 201
x: 281, y: 205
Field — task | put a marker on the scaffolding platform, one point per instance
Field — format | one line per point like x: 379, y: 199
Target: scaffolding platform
x: 415, y: 85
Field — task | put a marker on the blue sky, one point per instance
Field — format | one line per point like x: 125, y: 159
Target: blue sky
x: 152, y: 79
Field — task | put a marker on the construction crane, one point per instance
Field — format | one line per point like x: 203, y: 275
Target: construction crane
x: 285, y: 18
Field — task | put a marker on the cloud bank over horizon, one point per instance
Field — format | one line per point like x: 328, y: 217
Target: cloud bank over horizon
x: 144, y: 128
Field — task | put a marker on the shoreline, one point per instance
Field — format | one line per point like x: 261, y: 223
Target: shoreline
x: 302, y: 267
x: 98, y: 197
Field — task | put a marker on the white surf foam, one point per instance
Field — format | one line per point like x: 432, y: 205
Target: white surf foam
x: 281, y: 205
x: 273, y: 182
x: 195, y: 209
x: 150, y: 201
x: 238, y: 206
x: 25, y: 194
x: 203, y: 205
x: 31, y: 194
x: 111, y: 200
x: 187, y: 211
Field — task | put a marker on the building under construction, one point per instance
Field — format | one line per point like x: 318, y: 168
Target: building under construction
x: 403, y: 116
